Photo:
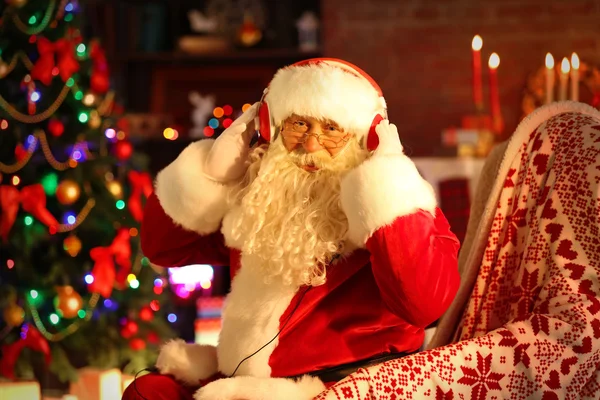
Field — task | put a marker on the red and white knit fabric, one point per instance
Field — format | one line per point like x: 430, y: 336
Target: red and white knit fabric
x: 530, y: 328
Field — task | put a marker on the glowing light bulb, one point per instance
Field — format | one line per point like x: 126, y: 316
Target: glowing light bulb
x: 494, y: 61
x: 549, y: 61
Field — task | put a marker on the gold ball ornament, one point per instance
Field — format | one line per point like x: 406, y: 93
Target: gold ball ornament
x: 68, y: 302
x: 72, y: 245
x: 115, y: 188
x: 14, y: 315
x: 68, y: 192
x: 17, y: 3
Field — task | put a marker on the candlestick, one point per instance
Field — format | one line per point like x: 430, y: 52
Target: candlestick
x: 565, y: 67
x: 574, y: 77
x: 476, y: 46
x: 549, y: 78
x: 493, y: 64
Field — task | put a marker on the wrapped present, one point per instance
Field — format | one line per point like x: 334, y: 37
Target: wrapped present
x: 126, y: 381
x: 207, y: 331
x: 20, y: 390
x: 209, y: 307
x: 97, y: 384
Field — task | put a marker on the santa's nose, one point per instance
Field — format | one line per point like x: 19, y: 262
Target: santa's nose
x: 311, y: 144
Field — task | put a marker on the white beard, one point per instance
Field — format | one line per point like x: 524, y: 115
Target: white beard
x: 290, y: 219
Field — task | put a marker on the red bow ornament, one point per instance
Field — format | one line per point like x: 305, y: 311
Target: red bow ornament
x: 99, y: 81
x: 30, y: 338
x: 142, y: 184
x: 31, y: 198
x: 65, y: 55
x: 104, y: 271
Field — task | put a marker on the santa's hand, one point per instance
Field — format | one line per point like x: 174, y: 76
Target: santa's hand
x: 253, y: 388
x: 226, y: 160
x: 389, y: 140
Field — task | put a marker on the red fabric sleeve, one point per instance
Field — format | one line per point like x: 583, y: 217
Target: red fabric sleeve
x: 415, y: 265
x: 169, y: 245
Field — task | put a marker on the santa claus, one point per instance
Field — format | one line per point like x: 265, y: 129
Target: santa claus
x: 339, y: 255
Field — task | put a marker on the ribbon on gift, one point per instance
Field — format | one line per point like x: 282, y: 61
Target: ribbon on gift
x: 30, y: 338
x: 99, y: 80
x: 65, y: 55
x: 142, y: 185
x: 31, y: 198
x: 104, y: 270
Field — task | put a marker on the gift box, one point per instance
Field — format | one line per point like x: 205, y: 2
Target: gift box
x: 97, y: 384
x: 24, y: 390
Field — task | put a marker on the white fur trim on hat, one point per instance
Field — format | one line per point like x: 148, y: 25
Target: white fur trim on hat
x: 380, y: 190
x: 325, y: 91
x: 187, y: 362
x: 187, y: 195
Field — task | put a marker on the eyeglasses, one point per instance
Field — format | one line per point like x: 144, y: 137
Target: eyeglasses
x: 297, y: 132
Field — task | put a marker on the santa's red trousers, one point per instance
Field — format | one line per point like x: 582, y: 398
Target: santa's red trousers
x: 158, y: 387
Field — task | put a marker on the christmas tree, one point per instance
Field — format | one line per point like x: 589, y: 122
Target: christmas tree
x: 74, y: 288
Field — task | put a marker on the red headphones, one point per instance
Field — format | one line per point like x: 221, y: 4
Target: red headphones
x: 265, y: 122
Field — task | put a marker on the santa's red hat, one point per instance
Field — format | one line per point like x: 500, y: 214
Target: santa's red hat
x: 327, y: 89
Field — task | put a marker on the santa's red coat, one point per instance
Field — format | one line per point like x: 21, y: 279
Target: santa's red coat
x: 376, y: 300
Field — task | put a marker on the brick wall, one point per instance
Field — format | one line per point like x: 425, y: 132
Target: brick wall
x: 419, y: 51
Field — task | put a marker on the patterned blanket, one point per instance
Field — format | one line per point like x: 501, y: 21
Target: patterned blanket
x: 526, y: 322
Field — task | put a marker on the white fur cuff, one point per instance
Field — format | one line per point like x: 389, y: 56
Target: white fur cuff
x: 187, y: 362
x: 380, y: 190
x: 254, y: 388
x: 187, y: 195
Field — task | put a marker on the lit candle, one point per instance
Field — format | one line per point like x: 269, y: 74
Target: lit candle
x: 549, y: 78
x: 574, y: 77
x: 565, y: 67
x: 493, y: 64
x: 476, y: 45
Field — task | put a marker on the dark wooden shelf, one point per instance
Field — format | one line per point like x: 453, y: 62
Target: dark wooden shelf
x: 233, y: 55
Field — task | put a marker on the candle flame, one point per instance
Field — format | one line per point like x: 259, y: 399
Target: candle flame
x: 549, y: 61
x: 575, y: 61
x: 565, y: 67
x: 477, y: 43
x: 494, y: 61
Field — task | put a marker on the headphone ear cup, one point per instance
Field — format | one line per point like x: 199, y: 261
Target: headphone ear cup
x: 372, y: 137
x: 264, y: 121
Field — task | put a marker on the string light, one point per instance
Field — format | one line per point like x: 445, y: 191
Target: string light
x: 16, y: 180
x: 54, y: 319
x: 169, y: 133
x: 81, y: 48
x: 227, y: 122
x: 32, y: 20
x: 4, y: 124
x: 10, y: 264
x: 246, y: 106
x: 81, y: 314
x: 34, y: 294
x: 120, y: 204
x: 172, y: 318
x: 213, y: 123
x: 78, y: 95
x: 218, y: 112
x: 227, y: 110
x: 89, y: 279
x: 28, y: 220
x: 35, y: 96
x: 69, y: 7
x: 110, y: 133
x: 120, y: 135
x: 155, y: 305
x: 158, y: 282
x: 134, y: 284
x: 83, y: 117
x: 89, y: 99
x: 133, y: 232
